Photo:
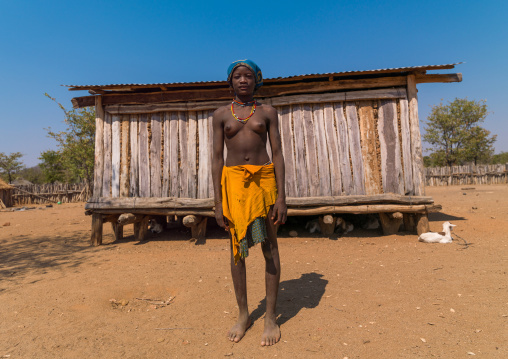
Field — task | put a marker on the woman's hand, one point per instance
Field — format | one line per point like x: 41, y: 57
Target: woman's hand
x: 279, y: 211
x: 219, y: 217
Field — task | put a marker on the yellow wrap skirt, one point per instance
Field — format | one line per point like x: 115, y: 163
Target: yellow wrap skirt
x: 248, y: 192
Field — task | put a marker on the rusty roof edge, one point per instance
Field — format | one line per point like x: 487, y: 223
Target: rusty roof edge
x: 267, y: 80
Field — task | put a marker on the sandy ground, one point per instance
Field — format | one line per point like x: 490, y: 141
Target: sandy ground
x: 360, y: 296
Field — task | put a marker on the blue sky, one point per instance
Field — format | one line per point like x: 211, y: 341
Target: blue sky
x: 44, y: 44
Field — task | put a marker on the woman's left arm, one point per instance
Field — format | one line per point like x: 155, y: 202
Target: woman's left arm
x: 279, y: 212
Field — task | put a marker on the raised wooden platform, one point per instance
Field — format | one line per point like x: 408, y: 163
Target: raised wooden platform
x: 392, y: 208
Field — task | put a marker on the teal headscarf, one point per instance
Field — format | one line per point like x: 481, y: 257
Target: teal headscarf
x: 251, y: 65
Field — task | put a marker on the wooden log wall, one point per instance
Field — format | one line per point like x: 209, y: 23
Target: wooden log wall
x: 160, y: 154
x: 50, y: 193
x: 355, y: 143
x: 6, y: 197
x: 466, y: 175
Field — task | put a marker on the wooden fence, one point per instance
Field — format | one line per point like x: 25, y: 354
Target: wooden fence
x: 466, y: 175
x: 50, y: 193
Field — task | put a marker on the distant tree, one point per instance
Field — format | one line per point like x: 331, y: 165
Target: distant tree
x: 480, y: 146
x: 454, y: 133
x: 76, y: 145
x: 427, y: 161
x: 501, y: 157
x: 435, y: 159
x: 10, y: 166
x: 32, y: 174
x: 52, y: 166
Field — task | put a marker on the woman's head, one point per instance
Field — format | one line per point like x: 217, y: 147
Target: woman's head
x: 240, y: 66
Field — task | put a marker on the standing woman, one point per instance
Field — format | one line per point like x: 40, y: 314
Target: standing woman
x: 249, y: 189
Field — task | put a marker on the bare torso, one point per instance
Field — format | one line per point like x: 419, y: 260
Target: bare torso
x: 245, y: 143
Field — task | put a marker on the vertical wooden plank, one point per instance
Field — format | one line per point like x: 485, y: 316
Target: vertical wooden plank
x: 192, y: 154
x: 333, y: 150
x: 202, y: 154
x: 99, y: 147
x: 355, y: 148
x: 406, y: 147
x: 166, y: 154
x: 369, y: 152
x: 115, y: 156
x: 141, y: 228
x: 183, y: 168
x: 155, y: 155
x: 106, y: 179
x: 310, y: 150
x: 322, y: 151
x: 174, y: 187
x: 134, y: 168
x: 391, y: 169
x: 124, y: 170
x: 287, y: 149
x: 96, y: 238
x: 343, y: 143
x: 210, y: 151
x: 144, y: 157
x: 117, y: 231
x: 416, y: 141
x: 302, y: 176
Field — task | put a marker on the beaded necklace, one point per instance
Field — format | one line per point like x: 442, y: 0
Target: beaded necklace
x: 244, y: 104
x: 243, y: 120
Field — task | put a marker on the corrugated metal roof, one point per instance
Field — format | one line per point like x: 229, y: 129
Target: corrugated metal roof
x: 268, y: 80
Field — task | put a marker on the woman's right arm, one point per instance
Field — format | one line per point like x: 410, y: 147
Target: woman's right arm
x: 217, y: 164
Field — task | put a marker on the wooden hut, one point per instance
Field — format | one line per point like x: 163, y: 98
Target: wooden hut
x: 351, y: 143
x: 6, y: 191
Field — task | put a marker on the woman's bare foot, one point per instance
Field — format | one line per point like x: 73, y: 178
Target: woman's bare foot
x: 271, y: 335
x: 238, y: 330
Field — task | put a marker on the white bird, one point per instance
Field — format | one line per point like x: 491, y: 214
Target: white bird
x: 439, y: 237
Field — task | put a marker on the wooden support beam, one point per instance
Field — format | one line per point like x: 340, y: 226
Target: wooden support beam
x: 327, y: 224
x: 141, y: 228
x: 360, y: 209
x: 422, y: 223
x: 110, y: 218
x: 129, y: 218
x: 386, y: 93
x: 159, y: 211
x: 409, y: 222
x: 306, y: 211
x: 148, y: 202
x: 178, y: 204
x: 197, y: 224
x: 96, y: 239
x: 390, y: 222
x: 426, y: 78
x: 117, y: 231
x: 223, y: 93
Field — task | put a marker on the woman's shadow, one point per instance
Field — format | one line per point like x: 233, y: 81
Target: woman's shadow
x: 295, y: 294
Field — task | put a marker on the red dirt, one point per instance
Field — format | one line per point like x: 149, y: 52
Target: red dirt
x: 360, y: 296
